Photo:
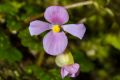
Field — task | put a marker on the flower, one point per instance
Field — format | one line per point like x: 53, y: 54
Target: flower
x: 66, y: 62
x: 55, y: 41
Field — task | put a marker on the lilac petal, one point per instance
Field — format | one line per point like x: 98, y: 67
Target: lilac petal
x: 64, y: 72
x: 72, y: 69
x: 56, y: 15
x: 77, y: 30
x: 37, y: 27
x: 55, y: 43
x: 73, y: 75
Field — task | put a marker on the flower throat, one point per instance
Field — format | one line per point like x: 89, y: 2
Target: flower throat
x: 56, y: 28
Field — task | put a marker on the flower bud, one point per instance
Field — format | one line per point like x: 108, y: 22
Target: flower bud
x: 64, y: 59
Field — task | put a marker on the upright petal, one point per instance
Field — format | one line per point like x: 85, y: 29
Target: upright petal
x: 64, y: 72
x: 37, y: 27
x: 56, y: 15
x: 55, y: 43
x: 77, y: 30
x: 72, y: 69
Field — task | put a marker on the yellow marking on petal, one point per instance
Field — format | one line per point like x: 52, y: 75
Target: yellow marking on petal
x: 56, y: 28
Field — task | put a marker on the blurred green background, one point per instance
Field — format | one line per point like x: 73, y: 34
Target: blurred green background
x: 22, y: 57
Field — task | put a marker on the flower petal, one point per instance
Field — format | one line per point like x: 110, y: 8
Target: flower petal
x: 77, y: 30
x: 56, y: 15
x: 64, y: 72
x: 37, y: 27
x: 73, y: 75
x: 55, y: 43
x: 72, y: 69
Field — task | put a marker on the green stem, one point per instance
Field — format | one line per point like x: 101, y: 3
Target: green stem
x: 79, y: 4
x: 67, y: 7
x: 40, y: 59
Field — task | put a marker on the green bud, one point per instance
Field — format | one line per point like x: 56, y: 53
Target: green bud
x: 64, y: 59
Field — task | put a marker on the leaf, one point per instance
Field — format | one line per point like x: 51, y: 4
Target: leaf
x: 101, y: 52
x: 8, y: 9
x: 113, y: 40
x: 13, y: 24
x: 38, y: 72
x: 98, y: 20
x: 85, y: 64
x: 33, y: 43
x: 57, y: 76
x: 17, y: 5
x: 4, y: 42
x: 11, y: 8
x: 116, y: 77
x: 42, y: 74
x: 7, y: 52
x: 11, y: 55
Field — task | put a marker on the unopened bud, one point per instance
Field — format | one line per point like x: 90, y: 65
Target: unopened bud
x: 64, y: 59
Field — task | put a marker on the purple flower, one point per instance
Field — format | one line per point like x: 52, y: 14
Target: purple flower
x: 66, y: 62
x: 70, y: 70
x: 56, y: 41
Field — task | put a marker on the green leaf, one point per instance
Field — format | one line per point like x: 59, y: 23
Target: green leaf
x: 44, y: 74
x: 11, y: 8
x: 113, y: 40
x: 8, y: 9
x: 102, y: 52
x: 17, y: 5
x: 11, y: 55
x: 85, y: 64
x: 116, y: 77
x: 33, y: 43
x: 38, y: 72
x: 4, y: 41
x: 94, y: 20
x: 7, y: 52
x: 13, y: 24
x: 55, y: 73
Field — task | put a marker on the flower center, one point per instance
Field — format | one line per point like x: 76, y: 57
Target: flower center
x: 56, y: 28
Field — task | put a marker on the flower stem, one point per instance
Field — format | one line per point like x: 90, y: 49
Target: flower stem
x: 79, y: 4
x: 67, y: 7
x: 40, y: 58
